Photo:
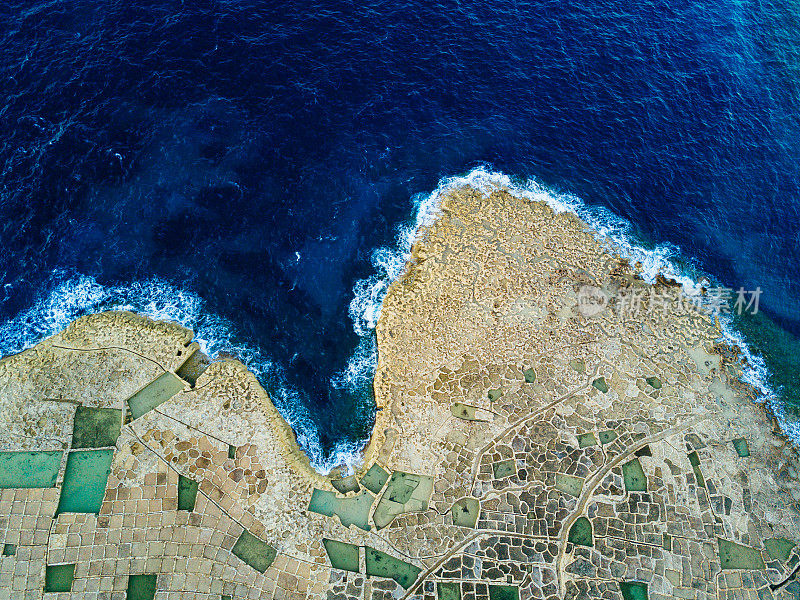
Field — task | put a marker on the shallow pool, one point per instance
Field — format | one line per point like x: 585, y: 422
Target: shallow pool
x: 155, y: 393
x: 29, y: 469
x: 85, y: 480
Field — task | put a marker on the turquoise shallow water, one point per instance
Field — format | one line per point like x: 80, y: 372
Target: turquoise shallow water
x: 85, y: 480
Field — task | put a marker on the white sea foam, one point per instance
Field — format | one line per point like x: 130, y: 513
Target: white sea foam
x: 616, y: 232
x: 662, y: 259
x: 360, y: 368
x: 389, y: 263
x: 71, y: 297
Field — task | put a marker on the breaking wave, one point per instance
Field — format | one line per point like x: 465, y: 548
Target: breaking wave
x: 70, y: 297
x: 616, y: 232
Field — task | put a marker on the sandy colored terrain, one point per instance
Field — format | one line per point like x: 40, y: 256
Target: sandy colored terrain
x: 549, y: 426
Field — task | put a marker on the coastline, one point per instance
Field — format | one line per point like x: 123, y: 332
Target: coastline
x: 522, y: 445
x: 654, y: 266
x: 159, y: 300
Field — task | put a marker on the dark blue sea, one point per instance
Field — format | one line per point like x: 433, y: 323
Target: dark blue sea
x: 255, y: 169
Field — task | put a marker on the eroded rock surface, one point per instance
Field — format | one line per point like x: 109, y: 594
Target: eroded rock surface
x: 527, y: 445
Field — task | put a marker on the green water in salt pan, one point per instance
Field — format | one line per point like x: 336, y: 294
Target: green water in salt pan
x: 504, y: 468
x: 654, y: 382
x: 402, y: 486
x: 448, y: 590
x: 342, y: 555
x: 580, y: 533
x: 353, y: 510
x: 779, y: 548
x: 187, y: 493
x: 96, y: 427
x: 465, y: 512
x: 374, y: 479
x: 569, y: 484
x: 345, y: 485
x: 255, y: 552
x: 29, y: 469
x: 737, y: 556
x: 405, y: 492
x: 578, y: 365
x: 587, y: 439
x: 503, y: 592
x: 85, y: 480
x: 193, y: 367
x: 154, y: 394
x: 694, y: 460
x: 633, y: 590
x: 141, y: 587
x: 600, y: 384
x: 741, y: 447
x: 634, y: 477
x: 58, y: 578
x: 465, y: 411
x: 380, y: 564
x: 608, y: 436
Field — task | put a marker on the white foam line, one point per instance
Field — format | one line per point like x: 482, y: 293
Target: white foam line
x: 368, y: 293
x: 611, y: 229
x: 157, y: 299
x: 660, y: 260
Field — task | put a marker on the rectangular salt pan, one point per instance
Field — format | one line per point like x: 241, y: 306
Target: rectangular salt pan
x: 154, y: 394
x: 29, y: 469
